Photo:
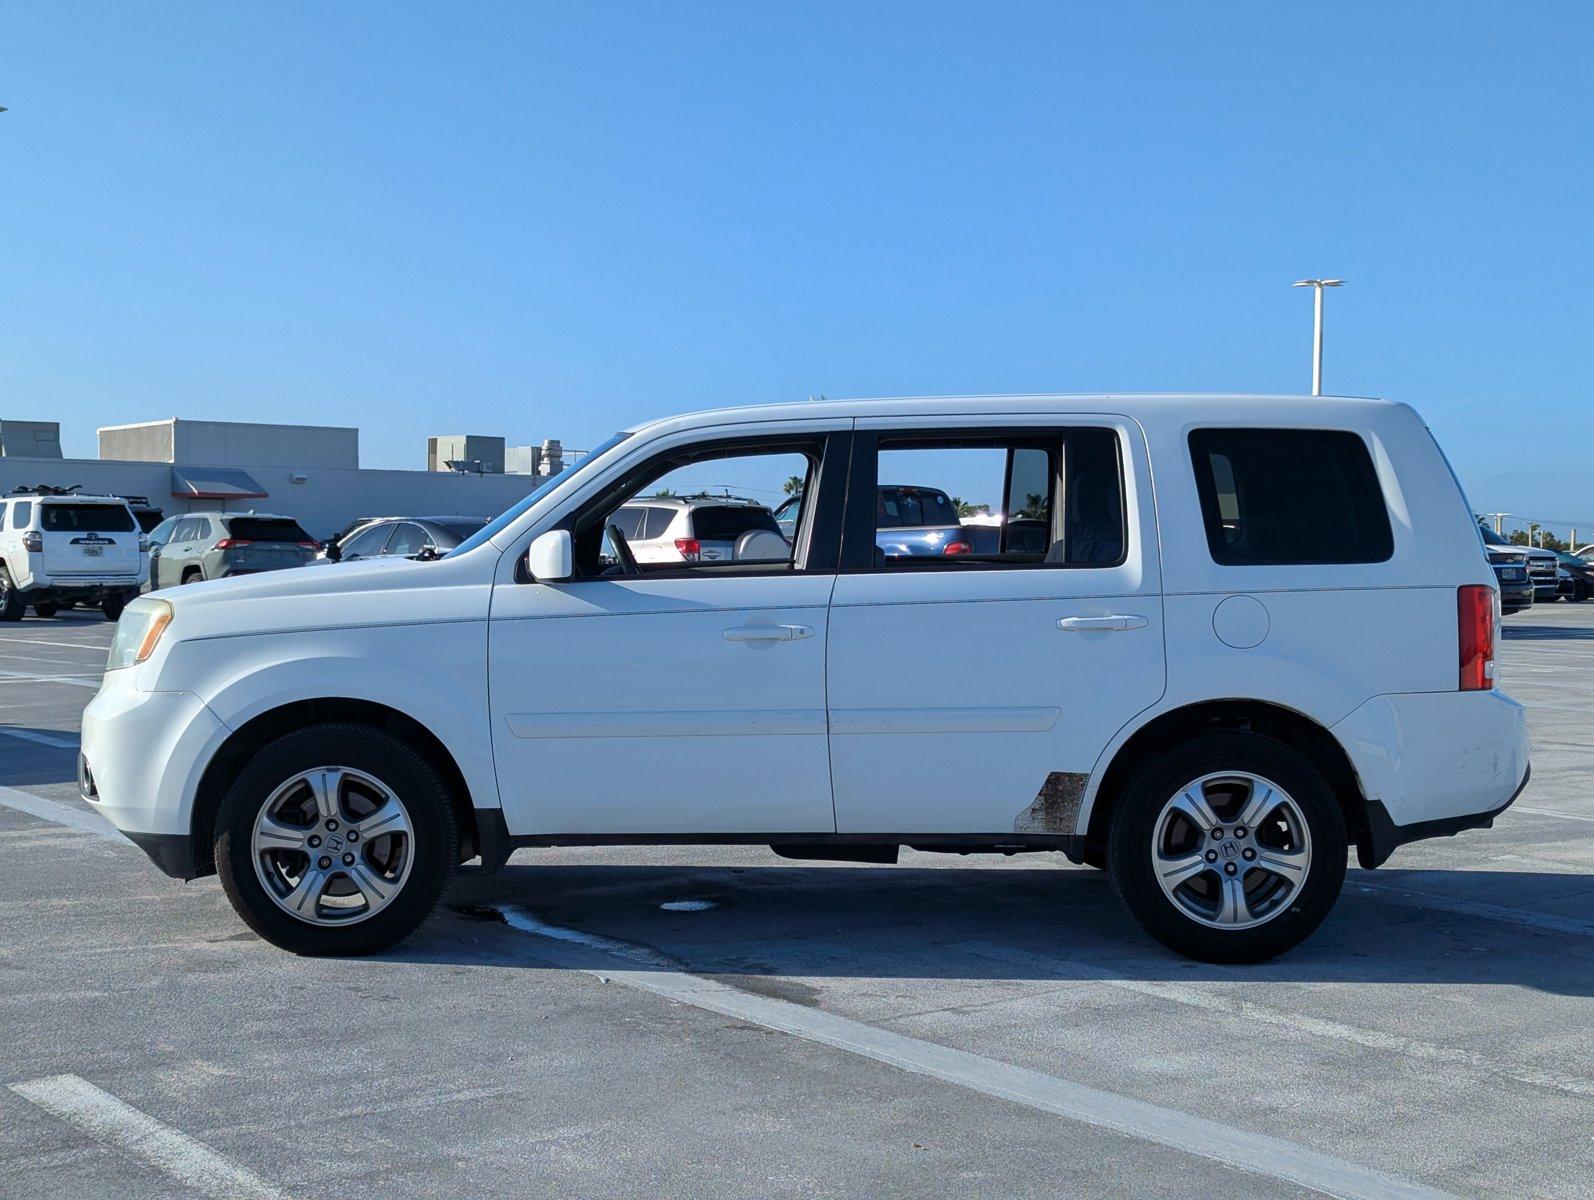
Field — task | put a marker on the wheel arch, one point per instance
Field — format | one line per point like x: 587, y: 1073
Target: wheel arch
x: 1291, y: 726
x: 254, y: 734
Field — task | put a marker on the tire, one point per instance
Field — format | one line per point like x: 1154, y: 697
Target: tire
x: 112, y: 607
x: 1194, y: 917
x: 12, y: 606
x: 1579, y: 592
x: 261, y: 887
x: 193, y: 575
x: 46, y: 609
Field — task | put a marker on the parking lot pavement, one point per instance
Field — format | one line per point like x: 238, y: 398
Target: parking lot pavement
x: 945, y: 1026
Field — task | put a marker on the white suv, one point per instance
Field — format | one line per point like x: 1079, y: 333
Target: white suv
x: 1252, y: 632
x: 675, y: 529
x: 61, y: 548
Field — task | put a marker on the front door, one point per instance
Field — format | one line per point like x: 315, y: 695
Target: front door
x: 683, y: 697
x: 972, y: 692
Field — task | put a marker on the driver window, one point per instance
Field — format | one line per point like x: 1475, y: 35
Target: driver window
x: 711, y: 511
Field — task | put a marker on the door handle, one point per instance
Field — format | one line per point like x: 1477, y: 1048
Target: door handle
x: 1112, y: 624
x: 768, y: 633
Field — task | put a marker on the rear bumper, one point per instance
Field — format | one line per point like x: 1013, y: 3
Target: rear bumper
x: 1434, y: 763
x: 82, y: 590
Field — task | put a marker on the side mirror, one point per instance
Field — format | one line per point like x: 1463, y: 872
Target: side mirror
x: 551, y: 558
x: 333, y: 551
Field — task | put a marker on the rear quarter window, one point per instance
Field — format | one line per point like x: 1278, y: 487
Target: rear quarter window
x: 1273, y: 497
x: 86, y: 518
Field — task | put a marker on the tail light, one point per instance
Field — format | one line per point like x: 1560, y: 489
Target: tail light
x: 33, y: 542
x: 143, y: 545
x: 690, y: 548
x: 1476, y: 628
x: 233, y: 543
x: 957, y: 548
x: 308, y: 545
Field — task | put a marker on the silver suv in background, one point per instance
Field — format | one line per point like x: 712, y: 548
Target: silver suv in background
x: 217, y: 545
x: 401, y: 537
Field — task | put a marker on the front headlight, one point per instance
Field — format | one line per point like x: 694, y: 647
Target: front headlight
x: 139, y: 628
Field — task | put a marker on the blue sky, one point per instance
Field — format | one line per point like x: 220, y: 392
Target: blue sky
x: 554, y: 220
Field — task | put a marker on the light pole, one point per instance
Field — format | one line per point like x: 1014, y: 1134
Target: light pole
x: 1317, y: 326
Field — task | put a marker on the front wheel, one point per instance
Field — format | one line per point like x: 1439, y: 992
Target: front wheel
x: 336, y: 839
x: 1228, y: 849
x: 46, y: 609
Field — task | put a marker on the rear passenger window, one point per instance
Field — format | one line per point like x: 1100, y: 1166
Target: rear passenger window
x: 1272, y: 497
x: 629, y: 522
x: 965, y: 500
x: 658, y: 522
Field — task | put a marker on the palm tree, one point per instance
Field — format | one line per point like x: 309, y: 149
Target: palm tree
x: 965, y: 509
x: 793, y: 485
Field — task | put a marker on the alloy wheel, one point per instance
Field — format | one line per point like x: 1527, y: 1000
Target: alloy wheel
x: 1231, y: 850
x: 332, y: 846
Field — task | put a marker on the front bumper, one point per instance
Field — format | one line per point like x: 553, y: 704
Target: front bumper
x: 1434, y: 763
x: 143, y: 754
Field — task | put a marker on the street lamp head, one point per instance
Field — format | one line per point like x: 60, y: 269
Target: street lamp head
x: 1318, y: 283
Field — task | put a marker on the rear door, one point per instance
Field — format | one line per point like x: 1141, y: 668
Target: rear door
x: 86, y: 538
x: 973, y: 693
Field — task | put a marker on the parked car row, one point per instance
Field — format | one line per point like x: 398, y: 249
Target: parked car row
x: 60, y: 548
x: 1531, y: 574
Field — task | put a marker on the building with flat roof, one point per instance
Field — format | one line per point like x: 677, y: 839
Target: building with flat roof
x: 309, y: 472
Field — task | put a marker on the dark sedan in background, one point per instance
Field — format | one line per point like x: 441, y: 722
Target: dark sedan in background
x: 402, y: 537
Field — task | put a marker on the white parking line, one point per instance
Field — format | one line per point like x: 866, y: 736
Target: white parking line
x: 58, y: 740
x: 1372, y: 1039
x: 1255, y: 1153
x: 1550, y: 812
x: 1492, y: 912
x: 80, y: 819
x: 85, y: 680
x: 27, y: 641
x: 103, y: 1117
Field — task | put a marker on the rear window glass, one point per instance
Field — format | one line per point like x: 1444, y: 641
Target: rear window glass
x: 908, y: 507
x: 462, y: 529
x: 266, y: 529
x: 714, y: 524
x: 1289, y: 496
x: 85, y: 518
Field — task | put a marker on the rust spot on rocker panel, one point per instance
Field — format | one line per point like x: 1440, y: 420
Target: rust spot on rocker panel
x: 1055, y: 808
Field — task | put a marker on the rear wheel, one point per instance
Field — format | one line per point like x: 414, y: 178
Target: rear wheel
x: 112, y: 607
x: 46, y: 609
x: 12, y: 605
x: 1580, y: 592
x: 1229, y: 849
x: 336, y: 839
x: 193, y: 575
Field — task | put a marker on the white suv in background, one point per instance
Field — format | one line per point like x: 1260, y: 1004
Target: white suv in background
x: 1238, y: 636
x: 62, y: 547
x: 662, y: 529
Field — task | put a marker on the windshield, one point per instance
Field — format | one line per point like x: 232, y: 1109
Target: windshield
x: 508, y: 517
x: 461, y: 529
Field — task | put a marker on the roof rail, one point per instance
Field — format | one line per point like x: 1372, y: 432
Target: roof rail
x: 45, y: 489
